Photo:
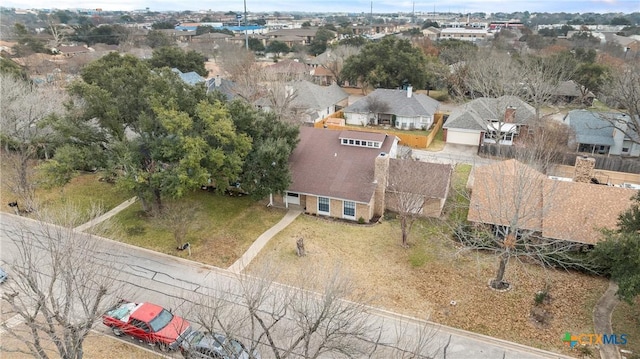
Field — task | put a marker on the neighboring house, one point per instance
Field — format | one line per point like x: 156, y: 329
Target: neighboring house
x: 313, y: 102
x: 343, y: 174
x: 430, y: 180
x: 463, y: 34
x: 226, y: 87
x: 510, y: 192
x: 302, y: 36
x: 322, y: 76
x: 431, y: 33
x: 488, y: 120
x: 289, y: 70
x: 595, y: 133
x: 179, y: 35
x: 310, y: 103
x: 192, y: 78
x: 69, y: 51
x: 571, y: 92
x: 402, y: 109
x: 211, y: 37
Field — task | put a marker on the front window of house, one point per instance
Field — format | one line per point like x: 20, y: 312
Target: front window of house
x: 349, y: 209
x: 323, y: 205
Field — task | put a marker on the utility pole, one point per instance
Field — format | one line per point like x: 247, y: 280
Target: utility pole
x: 246, y: 33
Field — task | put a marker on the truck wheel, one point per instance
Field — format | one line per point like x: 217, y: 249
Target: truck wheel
x: 163, y: 347
x: 117, y: 331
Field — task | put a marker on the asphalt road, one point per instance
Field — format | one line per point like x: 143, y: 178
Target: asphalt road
x: 174, y: 283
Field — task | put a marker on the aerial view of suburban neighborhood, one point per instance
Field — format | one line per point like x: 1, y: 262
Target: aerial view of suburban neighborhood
x: 320, y: 180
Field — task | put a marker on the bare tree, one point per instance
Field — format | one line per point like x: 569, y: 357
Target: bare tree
x: 534, y: 79
x: 541, y: 77
x: 24, y: 137
x: 375, y: 106
x: 58, y: 286
x: 509, y: 203
x: 312, y: 319
x: 548, y: 140
x: 492, y: 75
x: 411, y: 188
x: 335, y: 58
x: 178, y: 217
x: 623, y: 92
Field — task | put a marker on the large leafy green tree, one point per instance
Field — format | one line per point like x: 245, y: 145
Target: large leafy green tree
x: 160, y: 136
x: 319, y: 43
x: 179, y: 152
x: 156, y: 39
x: 266, y: 169
x: 619, y: 254
x: 175, y: 57
x: 389, y: 63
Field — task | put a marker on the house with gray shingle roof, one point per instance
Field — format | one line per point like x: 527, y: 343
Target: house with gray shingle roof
x: 310, y: 102
x: 350, y: 175
x: 571, y: 92
x: 314, y: 102
x: 192, y: 78
x: 402, y: 109
x: 595, y: 133
x: 488, y: 120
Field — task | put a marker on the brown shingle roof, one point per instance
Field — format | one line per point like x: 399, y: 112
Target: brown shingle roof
x: 434, y: 177
x: 570, y: 211
x: 507, y: 193
x: 321, y: 166
x: 580, y: 210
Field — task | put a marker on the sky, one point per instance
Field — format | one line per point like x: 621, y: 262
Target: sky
x: 349, y: 6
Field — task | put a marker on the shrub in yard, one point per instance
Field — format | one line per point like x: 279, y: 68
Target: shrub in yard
x: 361, y: 220
x: 540, y: 297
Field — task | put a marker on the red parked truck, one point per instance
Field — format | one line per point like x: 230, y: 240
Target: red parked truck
x: 147, y: 322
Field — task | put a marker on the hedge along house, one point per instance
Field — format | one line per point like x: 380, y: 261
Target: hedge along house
x: 345, y: 174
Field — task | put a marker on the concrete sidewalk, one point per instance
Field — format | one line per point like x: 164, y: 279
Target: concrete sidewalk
x: 104, y: 217
x: 602, y: 320
x: 259, y: 243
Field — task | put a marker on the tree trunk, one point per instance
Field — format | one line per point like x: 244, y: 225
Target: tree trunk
x: 405, y: 231
x: 498, y: 283
x: 300, y: 247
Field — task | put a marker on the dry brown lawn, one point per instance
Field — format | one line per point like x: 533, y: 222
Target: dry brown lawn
x: 423, y: 280
x: 96, y: 346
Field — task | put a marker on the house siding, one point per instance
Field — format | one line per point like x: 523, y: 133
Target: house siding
x: 421, y: 122
x: 357, y: 119
x: 335, y: 208
x: 364, y: 211
x: 312, y: 204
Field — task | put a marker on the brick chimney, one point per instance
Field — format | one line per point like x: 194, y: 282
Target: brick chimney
x: 381, y: 174
x: 510, y: 114
x: 584, y: 169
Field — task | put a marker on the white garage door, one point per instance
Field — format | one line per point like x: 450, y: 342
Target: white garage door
x: 463, y: 138
x: 293, y: 198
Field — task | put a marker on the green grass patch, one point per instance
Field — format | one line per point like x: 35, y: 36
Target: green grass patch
x: 221, y: 230
x: 85, y: 193
x: 626, y: 320
x: 457, y: 206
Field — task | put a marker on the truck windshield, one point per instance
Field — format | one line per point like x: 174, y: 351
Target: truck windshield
x: 160, y: 321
